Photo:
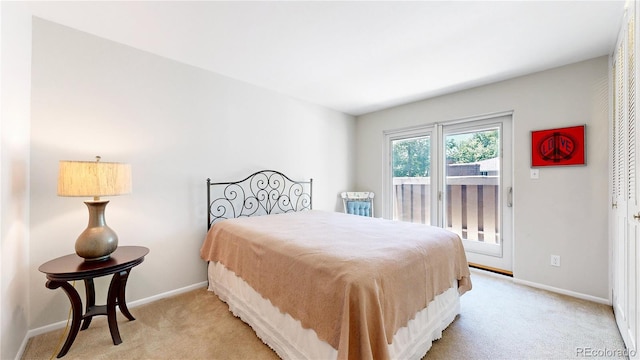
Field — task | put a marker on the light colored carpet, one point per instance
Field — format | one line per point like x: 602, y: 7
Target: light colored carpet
x: 499, y: 320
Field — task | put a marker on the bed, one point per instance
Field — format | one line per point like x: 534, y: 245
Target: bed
x: 327, y: 285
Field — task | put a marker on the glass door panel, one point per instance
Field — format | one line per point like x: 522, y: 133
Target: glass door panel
x: 411, y: 179
x: 472, y: 185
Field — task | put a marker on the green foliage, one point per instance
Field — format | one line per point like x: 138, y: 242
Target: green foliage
x: 412, y: 157
x: 480, y: 146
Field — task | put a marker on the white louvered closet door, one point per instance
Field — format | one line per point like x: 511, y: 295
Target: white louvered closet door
x: 625, y: 192
x: 633, y: 209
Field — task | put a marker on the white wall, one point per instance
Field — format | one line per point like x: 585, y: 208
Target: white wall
x: 14, y: 163
x: 176, y: 125
x: 564, y: 212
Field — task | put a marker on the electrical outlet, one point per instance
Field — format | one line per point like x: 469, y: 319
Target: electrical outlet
x: 555, y: 260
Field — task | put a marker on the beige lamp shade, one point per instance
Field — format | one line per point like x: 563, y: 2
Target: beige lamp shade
x: 93, y: 178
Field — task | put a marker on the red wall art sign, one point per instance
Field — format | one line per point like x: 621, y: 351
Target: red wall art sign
x: 554, y: 147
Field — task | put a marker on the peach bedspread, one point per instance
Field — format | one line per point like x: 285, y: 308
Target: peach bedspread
x: 354, y: 280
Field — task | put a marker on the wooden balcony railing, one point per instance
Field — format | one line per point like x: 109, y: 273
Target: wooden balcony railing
x: 472, y: 205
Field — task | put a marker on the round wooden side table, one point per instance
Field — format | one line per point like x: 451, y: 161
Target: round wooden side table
x: 72, y: 267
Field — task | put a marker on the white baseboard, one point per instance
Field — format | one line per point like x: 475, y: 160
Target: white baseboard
x: 564, y: 292
x: 547, y: 287
x: 59, y: 325
x: 167, y: 294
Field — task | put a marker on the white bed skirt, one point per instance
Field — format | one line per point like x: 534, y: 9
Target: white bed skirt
x: 286, y: 336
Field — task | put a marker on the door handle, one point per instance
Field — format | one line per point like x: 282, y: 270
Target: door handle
x: 636, y: 216
x: 510, y: 197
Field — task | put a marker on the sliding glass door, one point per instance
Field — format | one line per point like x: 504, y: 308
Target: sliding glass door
x: 457, y: 176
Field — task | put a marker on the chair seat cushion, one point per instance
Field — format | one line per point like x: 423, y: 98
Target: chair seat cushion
x: 359, y: 208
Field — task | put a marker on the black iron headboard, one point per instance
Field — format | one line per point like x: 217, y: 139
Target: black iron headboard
x: 261, y: 193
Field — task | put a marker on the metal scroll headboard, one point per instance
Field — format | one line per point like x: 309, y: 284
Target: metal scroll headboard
x: 261, y: 193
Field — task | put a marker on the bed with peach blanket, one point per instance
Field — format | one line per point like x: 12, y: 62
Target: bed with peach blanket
x: 326, y: 285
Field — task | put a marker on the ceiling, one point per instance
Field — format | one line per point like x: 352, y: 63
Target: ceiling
x: 355, y: 56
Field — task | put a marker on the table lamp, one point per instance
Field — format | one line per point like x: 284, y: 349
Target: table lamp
x: 95, y: 179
